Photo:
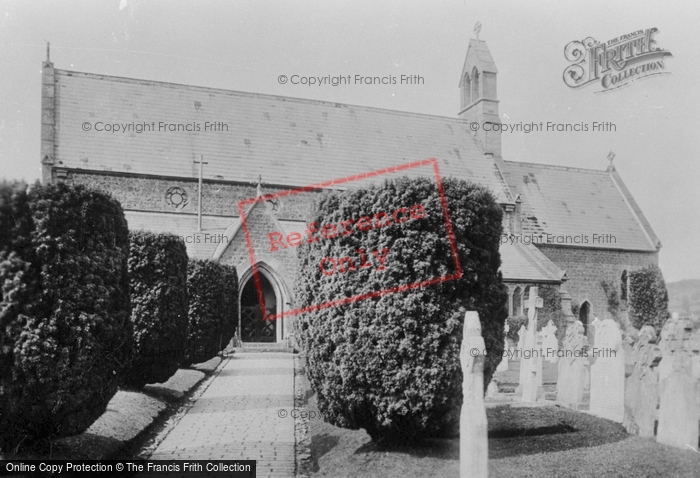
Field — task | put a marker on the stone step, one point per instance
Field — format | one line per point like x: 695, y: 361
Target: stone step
x: 258, y: 347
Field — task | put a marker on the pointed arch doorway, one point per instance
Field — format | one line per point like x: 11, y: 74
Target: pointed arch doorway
x: 252, y: 327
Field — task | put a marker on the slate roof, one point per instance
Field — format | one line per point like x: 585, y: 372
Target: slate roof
x: 574, y: 202
x: 525, y: 263
x: 289, y: 141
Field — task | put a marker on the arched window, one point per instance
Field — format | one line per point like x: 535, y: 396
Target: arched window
x: 624, y: 286
x: 583, y: 316
x: 475, y: 84
x: 466, y: 90
x: 517, y: 302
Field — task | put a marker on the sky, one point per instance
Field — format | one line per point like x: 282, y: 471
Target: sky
x: 247, y: 44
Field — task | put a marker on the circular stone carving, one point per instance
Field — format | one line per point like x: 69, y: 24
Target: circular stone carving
x: 275, y: 204
x: 176, y: 198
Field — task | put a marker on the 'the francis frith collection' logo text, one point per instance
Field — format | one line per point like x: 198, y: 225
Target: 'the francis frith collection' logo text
x: 614, y: 63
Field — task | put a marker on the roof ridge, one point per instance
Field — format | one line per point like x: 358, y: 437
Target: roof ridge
x: 557, y: 167
x: 259, y: 95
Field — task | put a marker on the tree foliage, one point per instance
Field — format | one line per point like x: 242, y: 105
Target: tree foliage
x: 210, y: 286
x: 390, y: 363
x: 64, y: 315
x: 648, y: 304
x: 158, y: 287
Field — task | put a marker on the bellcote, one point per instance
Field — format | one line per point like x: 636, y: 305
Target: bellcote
x: 480, y: 95
x: 478, y: 79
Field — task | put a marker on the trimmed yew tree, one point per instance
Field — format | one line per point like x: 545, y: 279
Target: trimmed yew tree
x: 64, y: 315
x: 390, y: 363
x: 210, y: 286
x: 158, y: 286
x: 231, y: 306
x: 648, y: 302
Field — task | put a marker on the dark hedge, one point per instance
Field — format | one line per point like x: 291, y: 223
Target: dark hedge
x: 64, y: 315
x: 158, y: 287
x: 390, y: 364
x: 208, y: 286
x: 231, y: 297
x: 648, y: 301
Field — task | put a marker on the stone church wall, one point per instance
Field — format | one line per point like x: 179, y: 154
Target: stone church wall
x: 587, y: 267
x: 283, y: 262
x: 221, y: 199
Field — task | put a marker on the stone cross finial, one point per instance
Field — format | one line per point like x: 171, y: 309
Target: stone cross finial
x: 611, y: 156
x: 259, y: 186
x: 477, y: 29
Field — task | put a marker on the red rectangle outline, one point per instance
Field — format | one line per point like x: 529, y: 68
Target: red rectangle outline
x: 335, y: 182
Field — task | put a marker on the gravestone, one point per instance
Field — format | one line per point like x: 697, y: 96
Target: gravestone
x: 571, y: 375
x: 530, y: 386
x: 550, y: 343
x: 679, y: 405
x: 492, y: 389
x: 642, y: 387
x: 521, y: 341
x: 591, y: 332
x: 503, y: 366
x: 473, y: 442
x: 608, y: 372
x: 671, y: 338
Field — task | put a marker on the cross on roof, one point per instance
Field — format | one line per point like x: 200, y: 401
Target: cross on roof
x: 477, y: 29
x: 259, y: 186
x: 611, y: 157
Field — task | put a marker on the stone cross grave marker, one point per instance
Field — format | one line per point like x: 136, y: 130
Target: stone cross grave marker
x: 608, y: 372
x: 503, y: 366
x: 571, y: 377
x: 473, y: 441
x: 531, y: 362
x: 679, y: 406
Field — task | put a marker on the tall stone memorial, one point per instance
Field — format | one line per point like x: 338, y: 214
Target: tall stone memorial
x: 522, y: 332
x: 571, y: 375
x: 608, y: 372
x: 679, y: 406
x: 473, y: 441
x: 642, y: 388
x: 530, y: 386
x: 503, y: 365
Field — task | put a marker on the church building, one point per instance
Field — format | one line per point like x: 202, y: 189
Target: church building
x: 143, y: 141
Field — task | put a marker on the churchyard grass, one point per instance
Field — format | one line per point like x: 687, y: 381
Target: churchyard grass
x: 534, y: 441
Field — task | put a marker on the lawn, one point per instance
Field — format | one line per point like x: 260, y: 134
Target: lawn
x: 536, y: 441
